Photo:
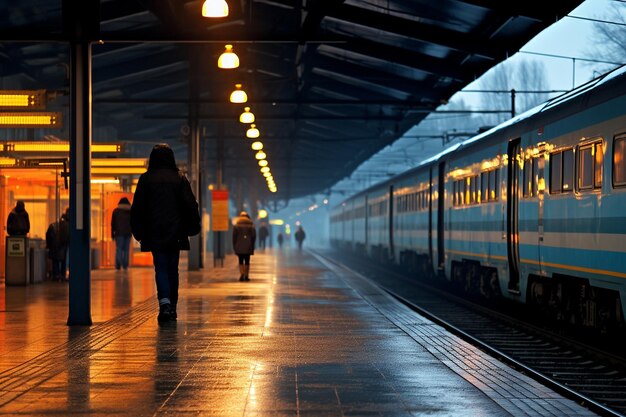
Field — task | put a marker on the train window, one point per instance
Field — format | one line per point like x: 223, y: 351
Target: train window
x: 484, y: 186
x: 535, y: 179
x: 619, y: 161
x: 598, y: 159
x: 493, y: 185
x: 568, y: 171
x: 585, y: 168
x: 556, y: 168
x: 590, y: 166
x: 472, y: 190
x: 527, y: 177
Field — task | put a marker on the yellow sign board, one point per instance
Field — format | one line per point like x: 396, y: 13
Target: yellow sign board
x: 219, y: 208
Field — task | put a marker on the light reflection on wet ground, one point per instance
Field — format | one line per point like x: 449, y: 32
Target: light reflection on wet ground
x: 295, y: 340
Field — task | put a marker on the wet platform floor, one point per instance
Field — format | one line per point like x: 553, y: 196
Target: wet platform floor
x: 302, y: 338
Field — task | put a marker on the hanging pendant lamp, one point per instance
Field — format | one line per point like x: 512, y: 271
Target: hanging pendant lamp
x: 228, y: 59
x: 253, y: 132
x: 215, y: 8
x: 247, y: 116
x: 238, y: 95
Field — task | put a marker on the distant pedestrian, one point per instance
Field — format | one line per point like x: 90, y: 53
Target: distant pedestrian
x: 163, y: 214
x: 57, y: 243
x: 18, y: 223
x: 263, y: 233
x: 121, y: 233
x: 280, y: 239
x: 300, y: 236
x: 244, y: 236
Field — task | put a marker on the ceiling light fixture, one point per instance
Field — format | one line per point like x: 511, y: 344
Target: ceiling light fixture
x: 228, y: 59
x: 253, y: 132
x: 215, y: 8
x: 265, y: 169
x: 238, y: 95
x: 260, y: 155
x: 247, y: 116
x: 263, y: 163
x: 257, y: 146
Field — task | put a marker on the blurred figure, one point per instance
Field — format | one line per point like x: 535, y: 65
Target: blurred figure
x: 300, y: 236
x: 121, y: 232
x: 163, y: 214
x: 280, y: 239
x: 57, y: 243
x: 263, y: 233
x: 18, y: 222
x: 244, y: 236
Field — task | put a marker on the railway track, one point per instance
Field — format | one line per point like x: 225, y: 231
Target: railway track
x: 586, y: 374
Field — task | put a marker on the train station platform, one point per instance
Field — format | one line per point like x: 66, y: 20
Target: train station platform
x: 302, y: 338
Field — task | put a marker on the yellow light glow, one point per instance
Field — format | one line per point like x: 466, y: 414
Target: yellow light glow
x: 265, y: 169
x: 263, y: 163
x: 117, y: 170
x: 260, y: 155
x: 238, y: 95
x: 31, y: 99
x: 42, y: 119
x: 253, y: 132
x: 262, y: 214
x: 119, y: 162
x: 267, y: 174
x: 257, y: 146
x: 273, y: 190
x: 105, y: 181
x: 41, y: 146
x: 247, y: 116
x: 215, y: 8
x: 228, y: 59
x: 277, y: 222
x: 7, y: 162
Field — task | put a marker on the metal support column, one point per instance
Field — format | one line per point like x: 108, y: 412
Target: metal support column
x: 194, y: 179
x: 81, y: 22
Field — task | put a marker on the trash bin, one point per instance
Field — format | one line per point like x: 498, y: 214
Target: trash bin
x: 37, y: 260
x: 17, y: 260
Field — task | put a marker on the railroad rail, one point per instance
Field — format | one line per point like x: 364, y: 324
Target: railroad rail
x: 583, y: 373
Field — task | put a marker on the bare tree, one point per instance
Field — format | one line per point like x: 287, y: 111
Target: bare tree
x: 527, y: 77
x: 610, y: 38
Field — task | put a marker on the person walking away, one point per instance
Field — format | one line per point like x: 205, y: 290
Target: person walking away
x: 280, y: 239
x: 57, y: 243
x: 18, y: 222
x: 163, y: 215
x: 300, y: 236
x: 244, y: 236
x: 121, y: 233
x: 263, y: 233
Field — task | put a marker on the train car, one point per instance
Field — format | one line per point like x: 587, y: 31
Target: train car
x: 378, y: 231
x: 411, y: 202
x: 531, y: 210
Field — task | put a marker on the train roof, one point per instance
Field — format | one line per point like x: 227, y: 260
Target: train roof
x: 555, y: 102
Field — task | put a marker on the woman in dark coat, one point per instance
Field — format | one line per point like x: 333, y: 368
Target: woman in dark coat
x: 244, y: 236
x: 163, y: 214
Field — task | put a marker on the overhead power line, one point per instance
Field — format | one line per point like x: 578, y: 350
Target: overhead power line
x: 609, y: 22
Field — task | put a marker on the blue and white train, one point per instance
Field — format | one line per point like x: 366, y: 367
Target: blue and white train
x: 533, y: 210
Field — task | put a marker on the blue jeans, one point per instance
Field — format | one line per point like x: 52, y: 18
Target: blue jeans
x: 166, y: 274
x: 122, y: 247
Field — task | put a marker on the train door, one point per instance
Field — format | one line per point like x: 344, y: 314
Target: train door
x: 391, y: 247
x: 512, y: 211
x: 430, y: 214
x: 441, y: 259
x: 366, y: 224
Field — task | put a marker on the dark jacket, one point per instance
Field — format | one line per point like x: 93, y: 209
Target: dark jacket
x: 244, y: 236
x: 58, y: 239
x: 300, y: 235
x: 164, y: 210
x: 18, y: 222
x: 120, y: 219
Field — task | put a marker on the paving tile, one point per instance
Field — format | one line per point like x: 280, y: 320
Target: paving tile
x: 299, y: 339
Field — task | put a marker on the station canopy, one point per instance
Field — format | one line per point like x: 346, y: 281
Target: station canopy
x: 330, y: 82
